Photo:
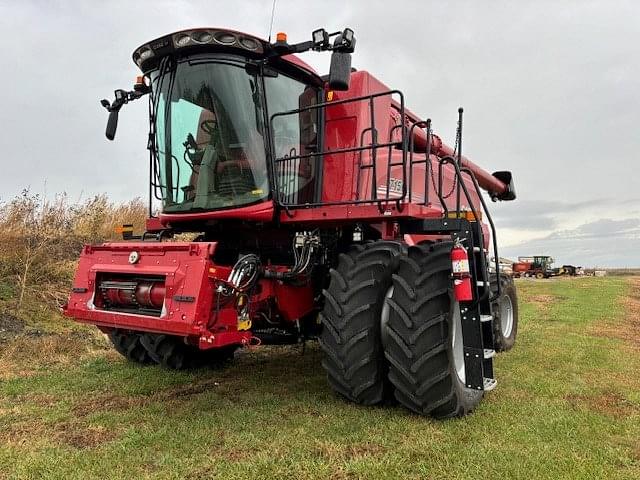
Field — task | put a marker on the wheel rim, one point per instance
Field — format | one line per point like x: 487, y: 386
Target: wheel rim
x: 457, y: 343
x: 506, y: 316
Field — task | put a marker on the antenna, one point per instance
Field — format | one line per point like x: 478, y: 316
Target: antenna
x: 273, y: 10
x: 459, y: 135
x: 459, y: 159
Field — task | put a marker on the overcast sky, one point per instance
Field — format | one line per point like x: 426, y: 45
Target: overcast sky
x: 550, y: 91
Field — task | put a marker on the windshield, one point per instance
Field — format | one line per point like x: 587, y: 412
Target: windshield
x: 209, y: 137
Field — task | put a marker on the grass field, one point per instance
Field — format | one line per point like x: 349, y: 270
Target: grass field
x: 567, y: 406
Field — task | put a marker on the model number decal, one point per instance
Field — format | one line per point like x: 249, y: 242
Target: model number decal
x: 395, y: 186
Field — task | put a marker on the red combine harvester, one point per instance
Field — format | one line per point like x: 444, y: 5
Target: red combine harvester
x: 323, y: 208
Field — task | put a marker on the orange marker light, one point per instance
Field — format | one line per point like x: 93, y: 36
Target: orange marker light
x: 281, y: 37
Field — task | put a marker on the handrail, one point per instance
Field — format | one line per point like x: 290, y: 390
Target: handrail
x: 463, y: 186
x: 494, y: 238
x: 372, y: 147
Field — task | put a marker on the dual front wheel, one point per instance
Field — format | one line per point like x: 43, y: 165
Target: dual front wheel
x: 392, y: 328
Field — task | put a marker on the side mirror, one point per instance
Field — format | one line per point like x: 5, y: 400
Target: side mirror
x: 507, y: 178
x: 112, y: 125
x: 340, y: 71
x: 121, y: 97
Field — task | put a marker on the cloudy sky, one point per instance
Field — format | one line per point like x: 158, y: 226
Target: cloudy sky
x: 550, y: 91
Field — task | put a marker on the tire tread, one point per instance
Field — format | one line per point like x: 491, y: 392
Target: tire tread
x: 353, y: 356
x: 417, y: 343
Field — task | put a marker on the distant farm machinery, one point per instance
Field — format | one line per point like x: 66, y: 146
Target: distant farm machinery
x: 541, y: 266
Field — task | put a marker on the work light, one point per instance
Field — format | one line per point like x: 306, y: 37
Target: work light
x: 320, y: 38
x: 347, y: 35
x: 225, y: 38
x: 202, y: 36
x: 182, y: 40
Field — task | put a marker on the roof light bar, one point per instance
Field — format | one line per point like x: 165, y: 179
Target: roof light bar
x: 192, y: 40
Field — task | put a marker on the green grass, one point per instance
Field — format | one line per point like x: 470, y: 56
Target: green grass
x: 7, y: 291
x: 567, y: 406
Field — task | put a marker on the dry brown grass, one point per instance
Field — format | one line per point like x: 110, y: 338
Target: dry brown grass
x: 26, y: 355
x: 628, y: 329
x: 623, y: 271
x: 609, y: 403
x: 97, y: 402
x: 29, y: 433
x: 339, y: 453
x: 541, y: 301
x: 40, y: 242
x: 80, y: 435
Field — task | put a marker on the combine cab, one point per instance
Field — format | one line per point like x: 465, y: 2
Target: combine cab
x: 322, y: 208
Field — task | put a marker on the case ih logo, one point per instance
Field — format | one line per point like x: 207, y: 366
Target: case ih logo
x: 160, y: 44
x: 134, y: 257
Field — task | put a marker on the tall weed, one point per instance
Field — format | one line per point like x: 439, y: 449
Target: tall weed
x: 41, y: 239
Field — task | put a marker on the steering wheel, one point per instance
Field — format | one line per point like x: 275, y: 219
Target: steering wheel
x: 209, y: 126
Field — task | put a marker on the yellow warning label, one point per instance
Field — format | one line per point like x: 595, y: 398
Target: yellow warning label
x: 244, y: 325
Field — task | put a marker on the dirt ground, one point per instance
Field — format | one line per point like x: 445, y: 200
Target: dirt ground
x: 10, y: 326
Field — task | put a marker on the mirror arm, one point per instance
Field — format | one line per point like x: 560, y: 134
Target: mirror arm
x: 122, y: 97
x: 302, y: 47
x: 344, y: 42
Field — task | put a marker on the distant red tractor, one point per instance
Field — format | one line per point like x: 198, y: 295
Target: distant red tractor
x: 323, y: 208
x: 541, y: 266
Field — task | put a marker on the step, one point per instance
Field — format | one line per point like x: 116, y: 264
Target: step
x: 489, y: 353
x: 489, y: 384
x: 486, y: 318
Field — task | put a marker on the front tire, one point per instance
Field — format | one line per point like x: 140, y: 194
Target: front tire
x: 353, y: 357
x: 173, y: 353
x: 422, y: 336
x: 128, y: 344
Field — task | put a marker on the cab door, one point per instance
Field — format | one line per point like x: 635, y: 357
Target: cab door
x: 294, y: 138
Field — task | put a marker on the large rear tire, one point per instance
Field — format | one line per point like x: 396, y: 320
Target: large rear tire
x: 350, y: 338
x: 505, y: 309
x: 173, y: 353
x: 422, y: 336
x: 128, y: 345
